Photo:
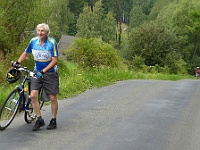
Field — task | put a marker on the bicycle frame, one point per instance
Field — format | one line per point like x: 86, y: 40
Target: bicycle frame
x: 24, y: 103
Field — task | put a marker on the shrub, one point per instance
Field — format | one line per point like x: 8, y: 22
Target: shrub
x: 92, y: 53
x: 154, y: 44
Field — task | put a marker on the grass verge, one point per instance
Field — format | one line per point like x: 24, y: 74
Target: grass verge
x: 74, y: 81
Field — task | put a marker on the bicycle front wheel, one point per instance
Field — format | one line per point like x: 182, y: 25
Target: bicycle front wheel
x: 9, y: 108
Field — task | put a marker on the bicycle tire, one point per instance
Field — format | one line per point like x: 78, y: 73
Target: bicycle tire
x: 29, y: 115
x: 9, y: 108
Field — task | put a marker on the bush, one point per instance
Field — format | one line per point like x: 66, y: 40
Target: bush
x: 154, y: 44
x: 93, y: 53
x: 137, y: 62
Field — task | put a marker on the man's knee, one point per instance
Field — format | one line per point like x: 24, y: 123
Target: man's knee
x: 34, y: 96
x: 53, y: 98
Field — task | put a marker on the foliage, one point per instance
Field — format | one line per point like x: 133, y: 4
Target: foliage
x: 14, y: 18
x: 194, y: 30
x: 181, y: 17
x: 18, y: 20
x: 59, y: 18
x: 189, y: 32
x: 169, y: 45
x: 108, y: 28
x: 103, y: 19
x: 137, y: 17
x: 154, y: 44
x: 76, y: 7
x: 145, y: 5
x: 179, y: 67
x: 158, y: 6
x: 93, y: 53
x: 137, y: 62
x: 89, y: 22
x: 121, y: 9
x: 94, y: 24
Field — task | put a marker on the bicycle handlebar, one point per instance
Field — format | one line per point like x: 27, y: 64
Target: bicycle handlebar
x: 30, y: 73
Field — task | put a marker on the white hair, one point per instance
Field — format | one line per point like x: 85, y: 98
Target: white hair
x: 45, y: 26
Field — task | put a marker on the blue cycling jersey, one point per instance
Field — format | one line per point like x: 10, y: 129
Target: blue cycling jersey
x: 43, y: 55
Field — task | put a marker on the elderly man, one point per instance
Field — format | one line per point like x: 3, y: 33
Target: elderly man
x: 45, y: 52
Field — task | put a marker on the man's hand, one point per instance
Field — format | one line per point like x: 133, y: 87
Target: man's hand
x: 16, y: 64
x: 40, y: 74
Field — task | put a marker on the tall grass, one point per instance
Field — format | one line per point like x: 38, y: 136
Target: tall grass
x: 77, y: 80
x: 74, y: 80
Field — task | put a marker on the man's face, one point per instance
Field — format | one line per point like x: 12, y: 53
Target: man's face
x: 41, y: 33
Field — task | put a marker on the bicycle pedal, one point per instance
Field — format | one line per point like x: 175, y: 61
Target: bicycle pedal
x: 34, y: 116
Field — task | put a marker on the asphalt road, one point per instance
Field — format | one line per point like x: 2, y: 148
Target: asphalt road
x: 129, y: 115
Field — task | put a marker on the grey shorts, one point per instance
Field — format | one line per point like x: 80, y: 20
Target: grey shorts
x: 50, y: 83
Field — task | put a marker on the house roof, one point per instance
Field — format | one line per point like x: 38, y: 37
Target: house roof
x: 65, y: 42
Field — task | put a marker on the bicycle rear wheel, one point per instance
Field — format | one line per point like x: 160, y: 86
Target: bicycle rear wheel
x: 9, y: 108
x: 29, y: 115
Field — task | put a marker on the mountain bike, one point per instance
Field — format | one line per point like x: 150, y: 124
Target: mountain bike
x: 19, y: 100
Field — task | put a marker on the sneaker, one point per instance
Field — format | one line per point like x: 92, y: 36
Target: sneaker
x: 39, y: 123
x: 52, y: 125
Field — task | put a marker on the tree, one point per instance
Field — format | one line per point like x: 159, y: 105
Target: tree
x: 18, y: 20
x: 157, y: 7
x: 15, y: 17
x: 95, y: 24
x: 146, y: 5
x: 137, y: 17
x: 194, y: 29
x: 108, y: 28
x: 97, y: 18
x: 59, y: 18
x: 76, y: 7
x: 178, y: 17
x: 121, y: 9
x: 91, y: 3
x: 84, y: 25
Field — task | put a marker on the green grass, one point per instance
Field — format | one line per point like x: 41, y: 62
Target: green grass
x: 74, y: 81
x: 77, y: 80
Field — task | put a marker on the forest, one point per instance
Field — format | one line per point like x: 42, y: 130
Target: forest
x: 141, y: 34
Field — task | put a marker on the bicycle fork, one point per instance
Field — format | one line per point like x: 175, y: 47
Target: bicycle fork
x: 10, y: 105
